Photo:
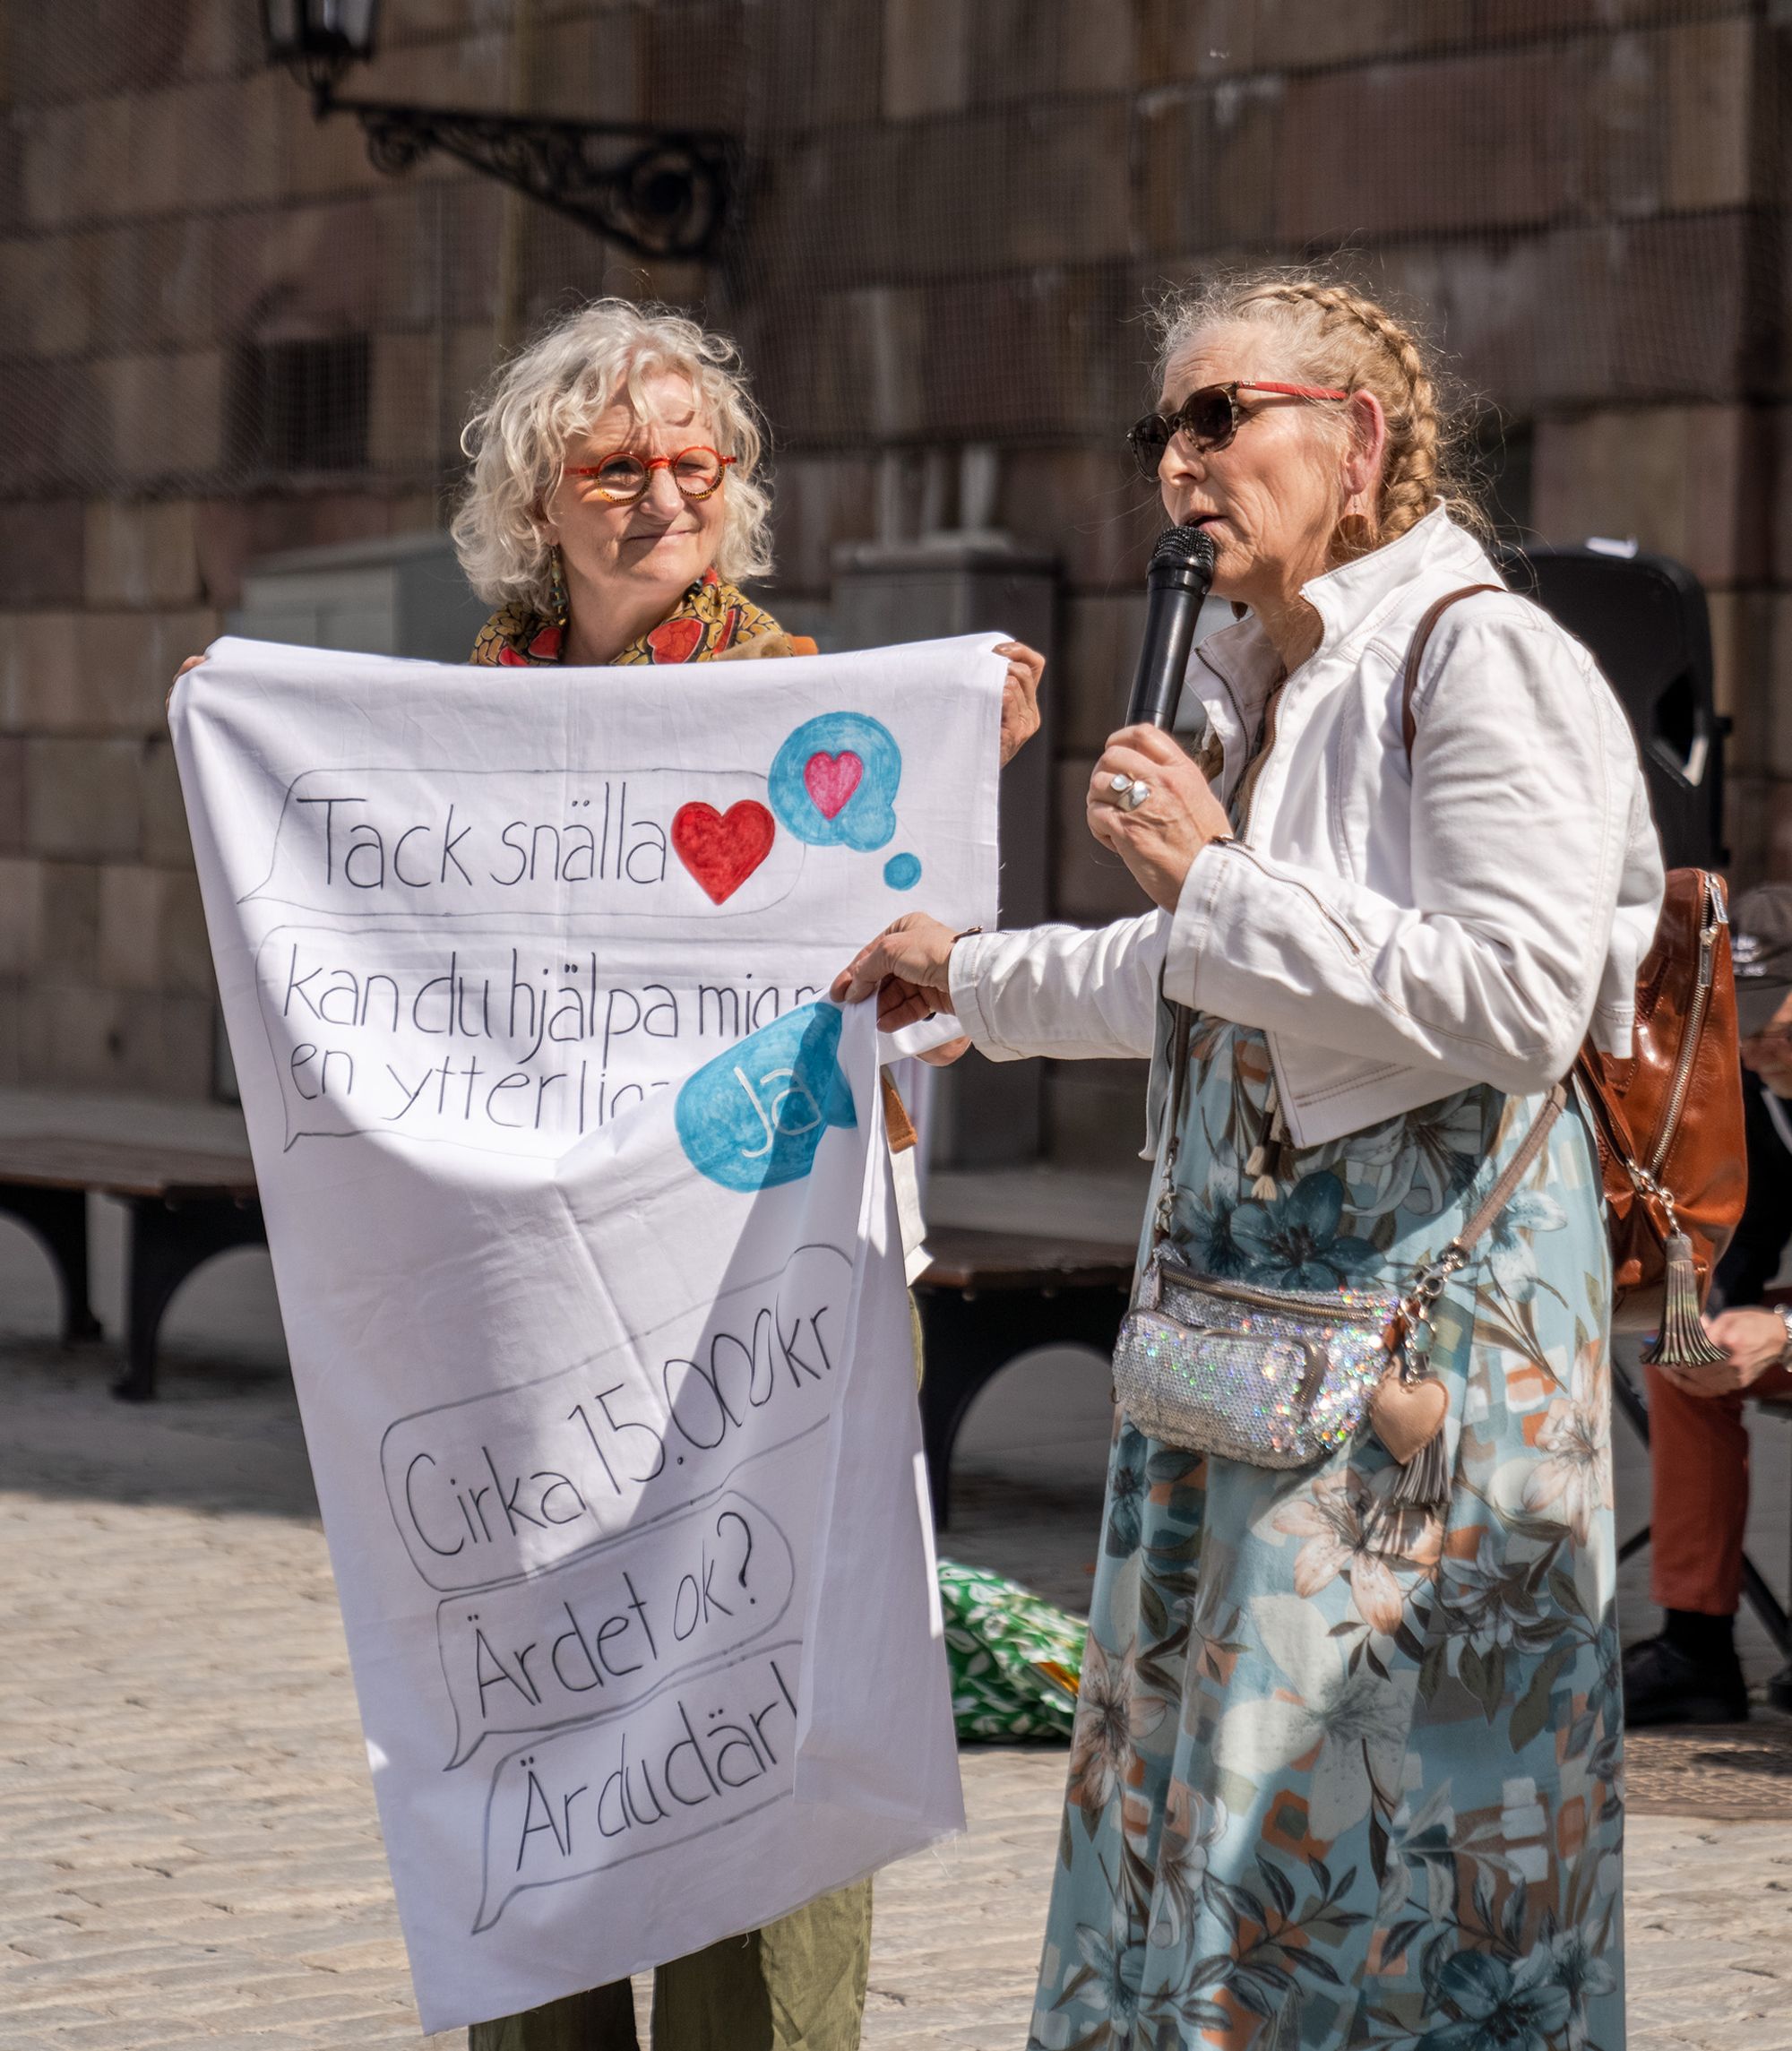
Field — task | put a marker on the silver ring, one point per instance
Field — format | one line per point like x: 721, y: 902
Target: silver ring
x: 1137, y: 792
x: 1119, y: 783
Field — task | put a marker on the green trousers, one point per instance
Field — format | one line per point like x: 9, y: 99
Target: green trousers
x: 797, y: 1984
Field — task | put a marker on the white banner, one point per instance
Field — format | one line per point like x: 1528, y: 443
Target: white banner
x: 587, y: 1255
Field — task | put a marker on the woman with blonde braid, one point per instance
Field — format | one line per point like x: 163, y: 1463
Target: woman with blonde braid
x: 1347, y: 1766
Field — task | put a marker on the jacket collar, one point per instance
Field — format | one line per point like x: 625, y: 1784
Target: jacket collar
x: 1356, y: 594
x: 1239, y: 666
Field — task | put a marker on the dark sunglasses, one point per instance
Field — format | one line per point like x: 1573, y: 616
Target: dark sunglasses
x: 1209, y: 418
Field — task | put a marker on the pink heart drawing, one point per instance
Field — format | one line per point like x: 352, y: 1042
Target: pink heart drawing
x: 831, y: 780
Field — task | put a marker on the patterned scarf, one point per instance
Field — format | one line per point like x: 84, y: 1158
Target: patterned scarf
x: 710, y: 616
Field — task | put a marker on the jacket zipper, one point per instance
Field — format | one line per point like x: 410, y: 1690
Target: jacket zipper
x: 1326, y: 912
x: 1363, y: 1304
x: 1715, y: 917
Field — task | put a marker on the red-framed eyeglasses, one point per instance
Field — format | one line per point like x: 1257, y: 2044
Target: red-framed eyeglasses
x: 1208, y: 417
x: 622, y: 477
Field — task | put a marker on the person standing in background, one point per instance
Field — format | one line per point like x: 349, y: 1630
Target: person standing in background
x: 1698, y: 1443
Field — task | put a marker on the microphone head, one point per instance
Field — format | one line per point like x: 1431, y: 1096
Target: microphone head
x: 1177, y: 546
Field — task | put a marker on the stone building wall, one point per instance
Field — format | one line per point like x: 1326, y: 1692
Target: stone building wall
x: 954, y: 211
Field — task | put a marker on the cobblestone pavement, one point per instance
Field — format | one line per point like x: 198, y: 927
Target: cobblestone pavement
x: 188, y: 1849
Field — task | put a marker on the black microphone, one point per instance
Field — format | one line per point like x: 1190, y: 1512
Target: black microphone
x: 1178, y: 580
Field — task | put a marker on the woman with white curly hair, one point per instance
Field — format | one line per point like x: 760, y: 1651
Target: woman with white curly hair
x: 614, y: 507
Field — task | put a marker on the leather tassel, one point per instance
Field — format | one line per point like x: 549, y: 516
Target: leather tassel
x: 1681, y: 1342
x: 1424, y: 1482
x: 1258, y: 1165
x: 1272, y: 1156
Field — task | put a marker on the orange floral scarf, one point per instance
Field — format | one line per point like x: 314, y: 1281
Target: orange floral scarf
x: 712, y: 615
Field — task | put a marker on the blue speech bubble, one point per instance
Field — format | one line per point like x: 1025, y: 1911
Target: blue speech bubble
x: 752, y: 1118
x: 833, y: 783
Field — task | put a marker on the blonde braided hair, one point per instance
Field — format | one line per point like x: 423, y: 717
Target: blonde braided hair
x: 1329, y: 334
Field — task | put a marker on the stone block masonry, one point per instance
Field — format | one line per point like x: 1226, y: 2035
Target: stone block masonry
x: 951, y: 215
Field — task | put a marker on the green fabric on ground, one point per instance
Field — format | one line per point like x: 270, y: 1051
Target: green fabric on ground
x: 1000, y: 1643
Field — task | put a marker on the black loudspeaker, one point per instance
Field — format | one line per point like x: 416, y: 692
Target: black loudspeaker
x: 1645, y: 620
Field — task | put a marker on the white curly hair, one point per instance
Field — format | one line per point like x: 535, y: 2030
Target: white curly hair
x: 551, y: 393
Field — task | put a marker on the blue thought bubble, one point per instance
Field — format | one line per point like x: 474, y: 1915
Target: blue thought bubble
x: 752, y: 1118
x: 833, y: 783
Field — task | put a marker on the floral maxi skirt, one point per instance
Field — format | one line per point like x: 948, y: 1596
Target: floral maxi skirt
x: 1344, y: 1774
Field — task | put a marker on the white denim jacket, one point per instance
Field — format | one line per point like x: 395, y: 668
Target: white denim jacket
x: 1396, y: 930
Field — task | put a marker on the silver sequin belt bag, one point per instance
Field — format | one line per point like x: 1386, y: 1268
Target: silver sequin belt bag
x: 1280, y: 1378
x: 1275, y: 1377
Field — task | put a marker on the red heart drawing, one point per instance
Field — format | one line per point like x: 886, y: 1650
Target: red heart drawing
x: 722, y: 848
x: 831, y: 780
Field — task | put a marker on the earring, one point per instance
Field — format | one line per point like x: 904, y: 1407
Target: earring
x: 558, y: 602
x: 1355, y: 533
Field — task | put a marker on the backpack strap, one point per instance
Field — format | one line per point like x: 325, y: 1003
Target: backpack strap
x: 1414, y: 655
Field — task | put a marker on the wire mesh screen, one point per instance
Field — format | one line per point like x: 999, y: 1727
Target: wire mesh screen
x: 949, y: 215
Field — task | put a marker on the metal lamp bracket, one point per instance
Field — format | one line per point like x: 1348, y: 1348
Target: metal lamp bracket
x: 661, y: 192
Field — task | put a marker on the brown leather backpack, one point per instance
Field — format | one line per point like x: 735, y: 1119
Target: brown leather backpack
x: 1668, y: 1121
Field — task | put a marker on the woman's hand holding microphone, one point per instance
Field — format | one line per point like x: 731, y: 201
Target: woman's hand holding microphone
x: 1149, y: 803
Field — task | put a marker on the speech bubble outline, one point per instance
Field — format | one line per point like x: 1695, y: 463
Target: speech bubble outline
x: 861, y: 814
x: 754, y: 1117
x: 482, y: 1417
x: 360, y: 1021
x: 445, y: 851
x: 297, y: 1059
x: 616, y: 1560
x: 557, y: 1819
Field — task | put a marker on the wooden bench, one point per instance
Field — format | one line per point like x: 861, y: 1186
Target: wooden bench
x: 987, y: 1297
x: 182, y: 1207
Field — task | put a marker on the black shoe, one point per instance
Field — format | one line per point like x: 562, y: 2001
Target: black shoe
x: 1780, y: 1689
x: 1664, y: 1685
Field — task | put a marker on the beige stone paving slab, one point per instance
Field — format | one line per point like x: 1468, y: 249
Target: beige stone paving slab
x: 192, y: 1855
